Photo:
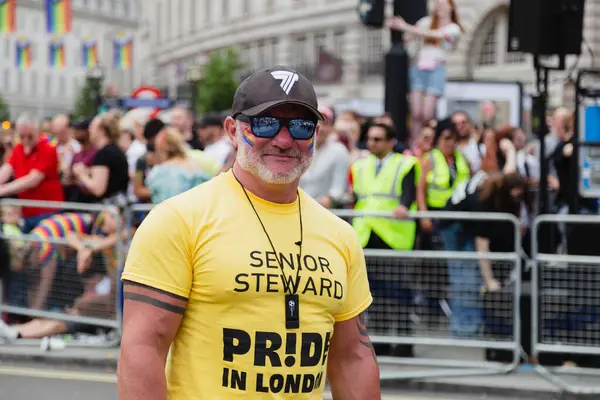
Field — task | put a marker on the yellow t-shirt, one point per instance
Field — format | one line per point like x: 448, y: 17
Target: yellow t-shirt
x: 208, y: 246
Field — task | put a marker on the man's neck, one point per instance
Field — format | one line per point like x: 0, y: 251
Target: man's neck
x: 282, y: 194
x: 382, y: 155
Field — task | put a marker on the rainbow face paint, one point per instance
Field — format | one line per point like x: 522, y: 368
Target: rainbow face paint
x: 248, y: 137
x: 311, y: 143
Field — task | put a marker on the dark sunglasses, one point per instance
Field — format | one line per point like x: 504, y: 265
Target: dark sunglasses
x: 268, y: 127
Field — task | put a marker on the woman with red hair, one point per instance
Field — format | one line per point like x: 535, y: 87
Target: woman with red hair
x: 436, y: 35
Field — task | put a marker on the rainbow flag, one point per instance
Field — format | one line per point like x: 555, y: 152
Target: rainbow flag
x: 89, y: 54
x: 23, y: 53
x: 8, y: 9
x: 58, y: 16
x: 56, y: 53
x: 123, y: 52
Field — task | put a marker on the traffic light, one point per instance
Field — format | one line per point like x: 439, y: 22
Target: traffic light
x: 372, y: 12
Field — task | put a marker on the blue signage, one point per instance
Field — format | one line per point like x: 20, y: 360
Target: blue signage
x: 132, y: 102
x: 589, y: 160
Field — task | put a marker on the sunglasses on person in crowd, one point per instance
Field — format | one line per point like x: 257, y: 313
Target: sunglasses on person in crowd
x: 268, y: 127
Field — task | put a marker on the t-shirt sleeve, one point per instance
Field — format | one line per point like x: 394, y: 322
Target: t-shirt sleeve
x: 102, y: 158
x: 358, y: 294
x: 159, y: 254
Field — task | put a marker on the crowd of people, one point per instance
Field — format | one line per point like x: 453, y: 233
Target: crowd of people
x: 118, y: 160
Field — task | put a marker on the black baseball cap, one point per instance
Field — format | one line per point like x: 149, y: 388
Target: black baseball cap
x: 270, y: 87
x: 81, y: 124
x: 210, y: 120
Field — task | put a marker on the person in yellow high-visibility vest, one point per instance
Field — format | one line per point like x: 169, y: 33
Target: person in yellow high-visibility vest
x: 443, y: 170
x: 386, y: 182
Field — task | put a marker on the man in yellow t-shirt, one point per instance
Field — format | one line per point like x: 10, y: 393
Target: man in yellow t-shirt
x: 245, y: 287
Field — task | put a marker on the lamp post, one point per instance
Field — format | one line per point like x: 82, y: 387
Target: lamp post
x: 96, y: 77
x: 194, y: 76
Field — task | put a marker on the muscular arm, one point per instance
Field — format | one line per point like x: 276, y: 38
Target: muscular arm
x: 151, y: 318
x: 352, y: 368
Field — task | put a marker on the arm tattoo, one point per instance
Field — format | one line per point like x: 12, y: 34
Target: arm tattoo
x: 361, y: 325
x: 154, y: 302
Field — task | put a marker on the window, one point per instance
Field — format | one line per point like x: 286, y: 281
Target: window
x: 62, y: 85
x: 224, y: 8
x: 48, y: 86
x: 491, y: 48
x: 299, y: 51
x: 372, y: 62
x: 320, y: 44
x: 192, y: 11
x: 246, y: 7
x: 275, y: 51
x: 339, y: 38
x: 487, y: 54
x: 33, y: 87
x: 158, y: 22
x: 20, y: 82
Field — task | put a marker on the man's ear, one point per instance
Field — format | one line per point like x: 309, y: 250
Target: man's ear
x: 230, y: 127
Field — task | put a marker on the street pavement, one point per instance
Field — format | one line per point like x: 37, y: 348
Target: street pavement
x: 34, y: 381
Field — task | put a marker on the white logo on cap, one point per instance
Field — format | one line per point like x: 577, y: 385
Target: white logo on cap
x: 288, y: 79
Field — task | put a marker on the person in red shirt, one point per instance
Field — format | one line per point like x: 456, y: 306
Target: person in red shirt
x: 34, y: 166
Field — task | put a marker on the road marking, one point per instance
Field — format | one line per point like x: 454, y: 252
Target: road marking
x: 63, y: 375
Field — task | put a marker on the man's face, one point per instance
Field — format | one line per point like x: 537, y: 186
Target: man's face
x: 60, y: 128
x: 463, y: 125
x: 377, y: 142
x: 280, y: 160
x: 180, y: 120
x: 81, y: 135
x: 208, y: 133
x: 27, y: 135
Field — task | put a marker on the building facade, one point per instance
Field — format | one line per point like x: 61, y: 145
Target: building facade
x: 326, y: 41
x: 45, y: 91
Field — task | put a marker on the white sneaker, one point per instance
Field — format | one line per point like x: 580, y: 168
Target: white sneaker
x: 8, y: 333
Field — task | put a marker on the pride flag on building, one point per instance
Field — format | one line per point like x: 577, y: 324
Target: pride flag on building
x: 8, y: 10
x: 123, y: 51
x: 56, y: 53
x: 23, y: 56
x: 89, y: 54
x: 58, y: 16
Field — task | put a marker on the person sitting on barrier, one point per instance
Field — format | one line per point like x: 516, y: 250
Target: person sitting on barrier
x: 11, y: 229
x: 40, y: 272
x: 97, y: 267
x: 494, y: 192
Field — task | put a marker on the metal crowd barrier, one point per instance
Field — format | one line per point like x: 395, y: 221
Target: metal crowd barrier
x: 412, y: 297
x: 566, y: 304
x: 45, y: 282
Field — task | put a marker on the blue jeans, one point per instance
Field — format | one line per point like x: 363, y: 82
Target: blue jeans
x: 465, y: 284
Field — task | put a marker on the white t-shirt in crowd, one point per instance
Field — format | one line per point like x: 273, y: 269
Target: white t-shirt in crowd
x: 430, y: 56
x: 473, y: 152
x: 219, y: 150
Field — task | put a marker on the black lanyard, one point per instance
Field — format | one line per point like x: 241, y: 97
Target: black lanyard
x: 292, y: 302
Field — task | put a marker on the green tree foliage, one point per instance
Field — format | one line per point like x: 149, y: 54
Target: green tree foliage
x: 87, y: 102
x: 219, y: 82
x: 4, y: 110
